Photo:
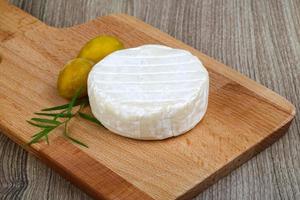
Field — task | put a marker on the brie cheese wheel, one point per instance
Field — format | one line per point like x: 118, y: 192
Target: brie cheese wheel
x: 149, y: 92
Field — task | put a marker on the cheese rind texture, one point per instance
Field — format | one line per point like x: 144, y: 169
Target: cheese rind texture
x: 150, y: 92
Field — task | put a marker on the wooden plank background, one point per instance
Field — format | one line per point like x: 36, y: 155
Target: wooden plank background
x: 260, y: 39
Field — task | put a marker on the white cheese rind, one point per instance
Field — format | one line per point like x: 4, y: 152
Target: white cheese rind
x: 150, y: 92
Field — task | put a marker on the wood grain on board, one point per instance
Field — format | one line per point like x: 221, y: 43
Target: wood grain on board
x: 243, y: 117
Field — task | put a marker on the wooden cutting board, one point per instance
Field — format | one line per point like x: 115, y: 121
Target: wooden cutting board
x: 243, y: 117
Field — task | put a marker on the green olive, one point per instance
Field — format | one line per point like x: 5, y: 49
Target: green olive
x: 99, y: 47
x: 73, y: 77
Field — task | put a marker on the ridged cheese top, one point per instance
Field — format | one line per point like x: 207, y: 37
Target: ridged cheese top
x: 144, y: 92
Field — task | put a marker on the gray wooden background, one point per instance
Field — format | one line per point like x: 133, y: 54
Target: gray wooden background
x: 259, y: 38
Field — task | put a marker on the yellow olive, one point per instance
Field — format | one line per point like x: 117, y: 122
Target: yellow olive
x: 99, y: 47
x: 73, y: 77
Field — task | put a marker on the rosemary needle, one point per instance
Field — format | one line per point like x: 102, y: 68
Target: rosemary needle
x: 89, y: 117
x: 61, y: 107
x: 58, y: 115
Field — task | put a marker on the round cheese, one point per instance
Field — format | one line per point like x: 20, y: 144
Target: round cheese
x: 149, y: 92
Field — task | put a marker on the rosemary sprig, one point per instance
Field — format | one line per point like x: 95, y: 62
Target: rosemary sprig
x: 61, y: 118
